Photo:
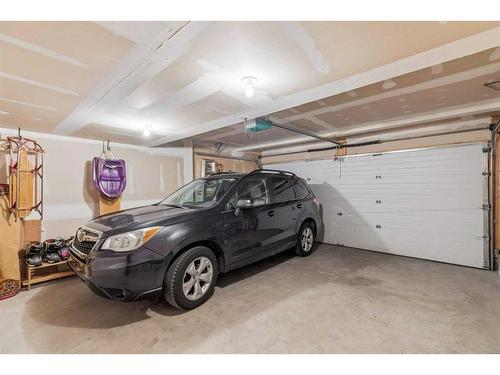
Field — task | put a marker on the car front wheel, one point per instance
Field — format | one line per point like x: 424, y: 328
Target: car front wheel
x: 305, y: 240
x: 190, y: 279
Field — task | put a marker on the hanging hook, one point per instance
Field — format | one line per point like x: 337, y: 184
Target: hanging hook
x: 19, y: 133
x: 103, y: 148
x: 109, y: 148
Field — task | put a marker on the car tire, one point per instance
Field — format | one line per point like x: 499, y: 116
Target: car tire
x: 186, y: 284
x: 305, y: 240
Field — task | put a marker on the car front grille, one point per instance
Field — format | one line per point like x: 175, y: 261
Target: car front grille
x: 84, y: 246
x: 84, y: 241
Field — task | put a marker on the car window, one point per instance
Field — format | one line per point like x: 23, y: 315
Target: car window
x: 301, y: 190
x: 200, y: 193
x: 254, y: 189
x: 283, y: 190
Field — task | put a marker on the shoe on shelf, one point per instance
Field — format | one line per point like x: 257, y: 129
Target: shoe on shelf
x: 51, y: 257
x: 63, y: 252
x: 34, y: 254
x: 53, y: 245
x: 52, y: 249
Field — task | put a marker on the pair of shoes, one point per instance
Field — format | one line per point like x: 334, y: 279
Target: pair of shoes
x: 34, y: 253
x: 52, y: 249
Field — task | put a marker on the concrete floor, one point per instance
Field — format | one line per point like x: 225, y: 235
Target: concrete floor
x: 338, y: 300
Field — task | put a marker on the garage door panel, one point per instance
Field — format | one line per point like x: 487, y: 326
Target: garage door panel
x: 399, y: 164
x: 398, y: 200
x: 459, y: 223
x: 421, y: 203
x: 409, y: 242
x: 443, y: 249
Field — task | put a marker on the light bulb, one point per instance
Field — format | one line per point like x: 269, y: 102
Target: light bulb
x: 249, y: 91
x: 146, y: 132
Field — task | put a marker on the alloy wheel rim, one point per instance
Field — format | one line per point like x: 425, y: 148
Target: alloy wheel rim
x: 307, y: 239
x: 197, y: 278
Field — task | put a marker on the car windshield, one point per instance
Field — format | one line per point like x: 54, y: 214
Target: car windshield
x: 199, y: 193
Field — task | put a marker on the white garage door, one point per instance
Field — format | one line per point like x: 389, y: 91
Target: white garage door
x: 424, y: 203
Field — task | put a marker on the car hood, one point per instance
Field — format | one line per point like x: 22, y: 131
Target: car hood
x: 139, y: 217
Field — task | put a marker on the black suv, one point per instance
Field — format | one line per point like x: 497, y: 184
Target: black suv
x: 178, y: 246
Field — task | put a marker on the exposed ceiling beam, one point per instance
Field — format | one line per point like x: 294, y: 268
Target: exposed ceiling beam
x: 454, y: 50
x: 142, y: 62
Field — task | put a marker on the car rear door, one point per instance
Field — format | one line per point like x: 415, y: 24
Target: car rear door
x: 284, y: 204
x: 302, y: 204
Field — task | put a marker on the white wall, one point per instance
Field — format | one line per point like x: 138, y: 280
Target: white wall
x: 69, y: 196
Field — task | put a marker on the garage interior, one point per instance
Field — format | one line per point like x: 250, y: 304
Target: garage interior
x: 394, y: 125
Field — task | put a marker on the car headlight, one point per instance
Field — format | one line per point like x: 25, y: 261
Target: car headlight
x: 130, y: 240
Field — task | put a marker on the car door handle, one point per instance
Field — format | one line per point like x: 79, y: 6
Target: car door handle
x: 270, y: 213
x: 299, y: 205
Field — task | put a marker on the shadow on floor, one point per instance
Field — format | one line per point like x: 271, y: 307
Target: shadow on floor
x: 69, y: 303
x: 253, y: 269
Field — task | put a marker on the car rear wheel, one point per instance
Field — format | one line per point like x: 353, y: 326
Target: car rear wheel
x: 305, y: 240
x: 190, y: 279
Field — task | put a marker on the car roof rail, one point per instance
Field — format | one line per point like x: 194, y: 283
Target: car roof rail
x: 275, y: 171
x: 226, y: 172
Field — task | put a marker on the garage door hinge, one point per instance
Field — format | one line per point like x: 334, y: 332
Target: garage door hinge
x: 486, y: 237
x: 486, y: 173
x: 486, y: 206
x: 487, y: 149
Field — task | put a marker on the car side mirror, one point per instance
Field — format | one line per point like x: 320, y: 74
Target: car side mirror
x: 243, y: 204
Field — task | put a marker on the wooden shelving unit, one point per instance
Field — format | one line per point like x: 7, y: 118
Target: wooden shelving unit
x: 35, y: 275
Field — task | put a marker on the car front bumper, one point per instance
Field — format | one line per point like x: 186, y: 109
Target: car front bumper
x: 120, y: 276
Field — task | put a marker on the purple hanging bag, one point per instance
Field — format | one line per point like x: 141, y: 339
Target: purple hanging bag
x: 108, y: 174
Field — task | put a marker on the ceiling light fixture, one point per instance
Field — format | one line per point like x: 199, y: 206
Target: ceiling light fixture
x: 146, y: 132
x: 249, y: 82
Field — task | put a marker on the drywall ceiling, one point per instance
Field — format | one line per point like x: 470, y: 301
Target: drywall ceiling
x: 48, y: 68
x: 455, y: 89
x: 110, y: 80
